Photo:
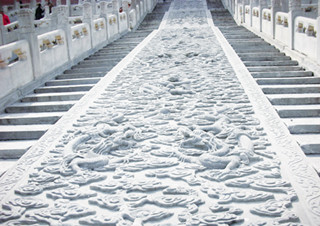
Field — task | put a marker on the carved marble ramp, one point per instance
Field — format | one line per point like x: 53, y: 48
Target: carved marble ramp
x: 176, y: 134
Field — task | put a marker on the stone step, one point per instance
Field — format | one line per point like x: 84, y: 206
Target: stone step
x: 294, y: 99
x: 63, y: 82
x: 303, y: 125
x: 234, y: 29
x: 275, y: 68
x: 249, y: 44
x: 73, y: 74
x: 282, y: 74
x: 309, y: 143
x: 53, y: 106
x: 43, y: 97
x: 107, y: 56
x: 254, y: 49
x: 22, y: 132
x: 258, y: 54
x: 14, y: 149
x: 295, y: 111
x: 70, y: 88
x: 264, y: 58
x: 90, y: 66
x: 297, y: 88
x: 288, y: 81
x: 231, y: 36
x: 78, y: 68
x: 113, y: 50
x: 270, y: 63
x: 30, y: 118
x: 100, y: 62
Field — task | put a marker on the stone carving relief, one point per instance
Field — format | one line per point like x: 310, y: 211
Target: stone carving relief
x: 161, y: 147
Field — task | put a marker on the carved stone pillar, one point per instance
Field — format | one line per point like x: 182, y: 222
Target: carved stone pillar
x: 16, y: 5
x: 68, y: 3
x: 126, y: 10
x: 294, y: 5
x: 294, y: 11
x: 115, y: 6
x: 88, y: 17
x: 27, y: 32
x: 263, y: 4
x: 284, y: 6
x: 60, y: 17
x: 251, y: 5
x: 275, y: 7
x: 133, y: 4
x: 104, y: 14
x: 33, y: 4
x: 93, y: 6
x: 2, y: 31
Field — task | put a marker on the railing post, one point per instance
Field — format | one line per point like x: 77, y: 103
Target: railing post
x: 262, y: 5
x: 33, y: 4
x: 27, y: 32
x: 68, y: 3
x: 16, y: 5
x: 294, y: 11
x: 243, y: 16
x: 115, y: 10
x: 284, y: 6
x: 104, y: 14
x: 318, y: 34
x: 60, y: 18
x: 2, y: 32
x: 125, y: 8
x: 275, y: 7
x: 87, y: 18
x: 318, y: 29
x: 93, y: 7
x: 251, y: 3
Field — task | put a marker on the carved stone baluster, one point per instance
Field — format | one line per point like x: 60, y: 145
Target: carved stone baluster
x: 275, y: 7
x: 93, y: 6
x: 60, y: 18
x: 294, y: 11
x: 318, y: 29
x: 68, y: 3
x: 88, y: 18
x: 104, y: 14
x: 284, y: 5
x: 27, y: 32
x: 16, y: 5
x: 2, y: 31
x: 294, y: 5
x: 33, y: 4
x: 126, y: 10
x: 262, y: 5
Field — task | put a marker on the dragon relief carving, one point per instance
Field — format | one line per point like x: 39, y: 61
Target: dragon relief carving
x: 181, y: 151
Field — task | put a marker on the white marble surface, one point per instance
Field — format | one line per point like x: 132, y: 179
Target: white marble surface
x: 169, y: 137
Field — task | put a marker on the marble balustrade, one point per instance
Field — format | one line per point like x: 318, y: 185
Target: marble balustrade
x: 58, y: 41
x: 295, y: 29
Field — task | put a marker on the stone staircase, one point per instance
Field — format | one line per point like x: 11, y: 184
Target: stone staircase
x: 25, y: 121
x: 293, y: 91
